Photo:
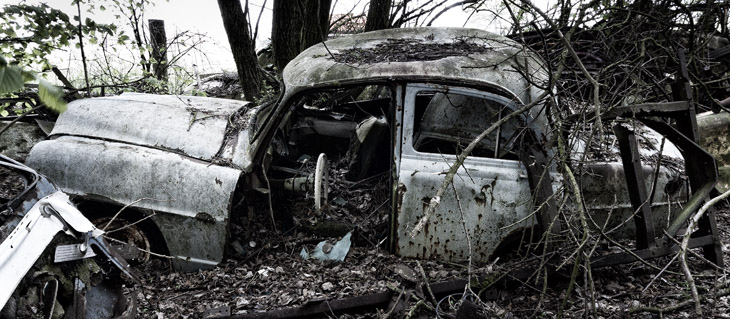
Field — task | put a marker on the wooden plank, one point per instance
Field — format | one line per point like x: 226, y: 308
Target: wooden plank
x: 635, y: 182
x: 659, y: 251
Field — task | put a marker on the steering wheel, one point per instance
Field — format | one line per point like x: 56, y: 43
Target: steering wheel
x: 321, y: 182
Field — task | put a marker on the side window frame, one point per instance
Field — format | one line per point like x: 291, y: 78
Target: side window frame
x: 409, y: 117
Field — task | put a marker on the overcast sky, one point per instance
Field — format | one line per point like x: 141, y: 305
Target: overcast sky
x: 202, y: 16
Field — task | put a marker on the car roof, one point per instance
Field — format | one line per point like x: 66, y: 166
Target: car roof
x: 461, y: 55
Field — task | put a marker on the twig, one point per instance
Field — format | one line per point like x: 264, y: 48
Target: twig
x: 271, y: 206
x: 685, y: 244
x: 693, y: 253
x: 143, y: 250
x: 15, y: 120
x: 419, y: 302
x: 132, y: 224
x: 330, y: 308
x: 395, y: 304
x: 436, y: 199
x: 584, y: 240
x: 414, y: 308
x: 123, y: 208
x: 659, y: 274
x: 543, y: 293
x: 81, y: 47
x: 467, y: 288
x: 426, y: 283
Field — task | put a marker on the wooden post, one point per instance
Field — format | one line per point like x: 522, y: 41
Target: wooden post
x: 687, y: 124
x: 634, y: 172
x: 158, y: 40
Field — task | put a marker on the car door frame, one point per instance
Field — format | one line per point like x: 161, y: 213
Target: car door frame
x: 527, y: 176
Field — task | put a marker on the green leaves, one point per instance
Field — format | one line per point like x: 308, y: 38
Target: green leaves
x: 29, y: 33
x: 13, y: 78
x: 51, y: 96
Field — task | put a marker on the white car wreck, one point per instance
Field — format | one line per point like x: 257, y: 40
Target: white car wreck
x: 38, y: 219
x: 401, y: 102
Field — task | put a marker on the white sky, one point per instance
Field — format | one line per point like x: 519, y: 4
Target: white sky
x: 203, y: 16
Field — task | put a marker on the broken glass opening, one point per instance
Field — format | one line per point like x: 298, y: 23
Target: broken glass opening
x: 445, y: 123
x: 349, y: 124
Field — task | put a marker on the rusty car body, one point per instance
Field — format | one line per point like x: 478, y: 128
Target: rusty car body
x: 401, y: 102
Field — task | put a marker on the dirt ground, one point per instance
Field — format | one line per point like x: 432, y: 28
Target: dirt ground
x: 271, y: 275
x: 266, y: 272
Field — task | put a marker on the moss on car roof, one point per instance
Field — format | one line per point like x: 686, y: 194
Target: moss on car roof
x: 468, y: 55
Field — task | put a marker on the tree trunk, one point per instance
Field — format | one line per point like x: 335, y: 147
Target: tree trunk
x: 378, y: 15
x: 285, y: 31
x: 242, y: 47
x: 158, y: 41
x: 316, y: 23
x: 297, y: 25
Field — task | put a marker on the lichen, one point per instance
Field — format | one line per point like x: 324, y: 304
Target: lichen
x: 406, y: 50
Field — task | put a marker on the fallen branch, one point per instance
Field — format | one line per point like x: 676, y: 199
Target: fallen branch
x: 583, y: 222
x: 426, y: 283
x: 680, y: 305
x: 20, y: 117
x: 685, y: 244
x: 123, y: 208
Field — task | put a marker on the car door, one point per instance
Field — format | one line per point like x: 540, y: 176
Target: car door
x: 490, y: 195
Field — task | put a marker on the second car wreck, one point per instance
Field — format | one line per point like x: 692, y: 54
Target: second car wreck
x: 399, y: 103
x: 46, y: 254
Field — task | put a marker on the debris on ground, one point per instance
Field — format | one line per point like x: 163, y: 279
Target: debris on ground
x: 326, y: 251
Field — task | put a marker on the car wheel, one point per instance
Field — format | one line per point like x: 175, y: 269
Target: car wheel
x: 129, y: 240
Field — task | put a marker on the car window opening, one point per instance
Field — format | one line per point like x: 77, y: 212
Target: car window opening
x: 445, y: 123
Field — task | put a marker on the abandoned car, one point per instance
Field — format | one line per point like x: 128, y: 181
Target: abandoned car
x: 403, y: 103
x: 43, y: 231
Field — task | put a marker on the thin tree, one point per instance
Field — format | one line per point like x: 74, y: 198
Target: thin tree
x: 242, y: 46
x: 297, y: 25
x: 315, y: 24
x: 378, y: 15
x: 285, y: 28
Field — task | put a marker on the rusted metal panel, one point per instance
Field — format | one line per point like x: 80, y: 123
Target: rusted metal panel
x: 192, y: 197
x: 487, y: 58
x: 493, y: 195
x: 603, y: 182
x: 187, y: 125
x: 608, y: 201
